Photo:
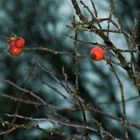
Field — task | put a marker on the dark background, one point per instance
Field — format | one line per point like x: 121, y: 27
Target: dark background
x: 42, y: 23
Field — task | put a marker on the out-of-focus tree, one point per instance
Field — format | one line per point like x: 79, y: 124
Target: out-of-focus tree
x: 54, y: 90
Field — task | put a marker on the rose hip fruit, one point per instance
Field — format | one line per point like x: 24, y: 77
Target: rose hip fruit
x: 20, y: 42
x: 12, y: 42
x: 14, y: 51
x: 97, y: 54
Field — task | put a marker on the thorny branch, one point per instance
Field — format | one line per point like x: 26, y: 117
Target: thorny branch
x: 64, y: 116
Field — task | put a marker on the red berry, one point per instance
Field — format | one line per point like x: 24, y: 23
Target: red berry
x: 14, y: 51
x: 11, y: 42
x: 97, y: 54
x: 20, y: 42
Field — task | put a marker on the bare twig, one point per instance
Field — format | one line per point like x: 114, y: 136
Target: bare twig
x: 123, y: 103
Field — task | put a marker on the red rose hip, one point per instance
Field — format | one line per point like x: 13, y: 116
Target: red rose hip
x: 97, y: 54
x: 20, y: 42
x: 12, y: 42
x: 14, y: 51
